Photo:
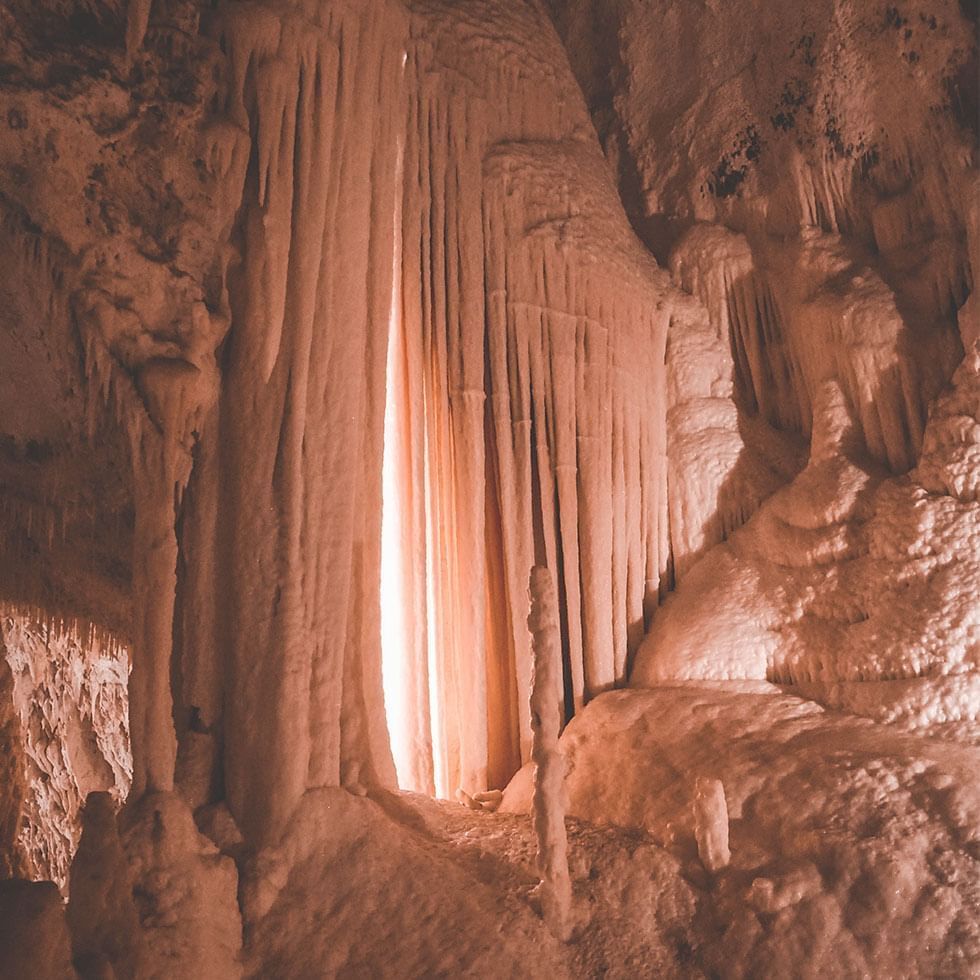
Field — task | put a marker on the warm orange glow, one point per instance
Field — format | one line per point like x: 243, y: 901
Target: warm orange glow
x: 395, y: 642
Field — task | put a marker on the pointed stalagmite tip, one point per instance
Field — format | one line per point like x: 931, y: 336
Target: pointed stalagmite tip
x: 711, y: 823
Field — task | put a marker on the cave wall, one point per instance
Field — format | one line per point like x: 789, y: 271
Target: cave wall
x: 66, y: 734
x: 825, y: 214
x: 272, y: 193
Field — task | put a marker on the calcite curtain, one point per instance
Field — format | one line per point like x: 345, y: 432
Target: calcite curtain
x: 529, y: 371
x: 280, y: 637
x: 400, y: 178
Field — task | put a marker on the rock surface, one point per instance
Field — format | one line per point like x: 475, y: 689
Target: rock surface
x: 322, y: 322
x: 850, y: 839
x: 68, y: 732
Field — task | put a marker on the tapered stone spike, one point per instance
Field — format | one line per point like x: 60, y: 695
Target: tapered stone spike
x: 711, y: 824
x: 549, y: 804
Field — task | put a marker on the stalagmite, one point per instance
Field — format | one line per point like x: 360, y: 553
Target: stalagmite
x: 155, y: 897
x: 711, y: 823
x: 549, y: 804
x: 154, y: 586
x: 33, y: 939
x: 101, y: 915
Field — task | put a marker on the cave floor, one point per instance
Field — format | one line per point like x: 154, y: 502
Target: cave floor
x: 855, y: 851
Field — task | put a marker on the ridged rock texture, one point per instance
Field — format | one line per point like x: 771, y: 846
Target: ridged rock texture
x: 529, y: 390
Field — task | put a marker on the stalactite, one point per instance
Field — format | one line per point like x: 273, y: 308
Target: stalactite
x: 792, y: 326
x: 160, y: 402
x: 530, y: 343
x: 605, y: 444
x: 727, y: 379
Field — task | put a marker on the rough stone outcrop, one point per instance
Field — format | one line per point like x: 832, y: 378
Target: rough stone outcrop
x: 68, y: 734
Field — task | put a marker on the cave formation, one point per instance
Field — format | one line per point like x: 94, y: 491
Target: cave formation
x: 489, y: 488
